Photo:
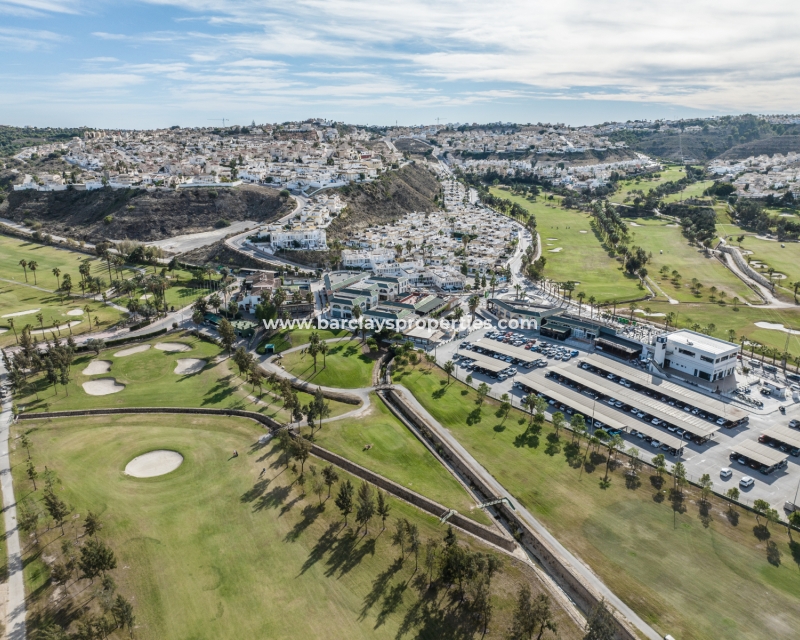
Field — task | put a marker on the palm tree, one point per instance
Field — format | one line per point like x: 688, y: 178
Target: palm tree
x: 11, y: 324
x: 632, y: 308
x: 40, y: 318
x: 57, y: 273
x: 32, y: 265
x: 592, y: 301
x: 473, y: 303
x: 323, y: 349
x: 87, y: 310
x: 24, y: 265
x: 581, y: 296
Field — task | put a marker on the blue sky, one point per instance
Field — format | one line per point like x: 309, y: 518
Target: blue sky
x: 150, y: 63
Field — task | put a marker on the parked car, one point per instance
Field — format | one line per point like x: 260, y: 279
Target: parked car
x: 746, y: 482
x: 725, y: 473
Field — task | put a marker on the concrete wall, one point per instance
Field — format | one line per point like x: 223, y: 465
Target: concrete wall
x: 582, y: 594
x: 746, y: 268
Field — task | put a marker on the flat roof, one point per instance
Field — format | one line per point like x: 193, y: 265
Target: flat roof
x: 586, y: 406
x: 759, y: 452
x: 506, y: 349
x: 706, y: 343
x: 675, y: 391
x: 487, y: 362
x: 784, y: 434
x: 673, y: 415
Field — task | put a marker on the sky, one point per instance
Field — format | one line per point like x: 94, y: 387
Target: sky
x: 153, y: 63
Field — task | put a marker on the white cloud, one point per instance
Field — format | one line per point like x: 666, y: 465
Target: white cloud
x: 98, y: 81
x: 18, y: 39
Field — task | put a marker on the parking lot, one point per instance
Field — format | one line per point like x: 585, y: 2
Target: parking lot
x: 705, y: 432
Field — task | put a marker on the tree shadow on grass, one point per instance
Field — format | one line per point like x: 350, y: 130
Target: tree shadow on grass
x: 499, y: 428
x: 773, y: 554
x: 794, y: 547
x: 676, y: 498
x: 310, y: 513
x: 761, y: 532
x: 391, y: 602
x: 272, y: 499
x: 428, y: 620
x: 704, y: 510
x: 526, y: 439
x: 632, y: 481
x: 733, y: 516
x: 379, y: 587
x: 218, y: 393
x: 553, y: 444
x: 474, y: 416
x: 255, y: 492
x: 324, y: 544
x: 347, y: 554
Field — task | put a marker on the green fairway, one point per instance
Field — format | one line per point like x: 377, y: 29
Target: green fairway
x: 47, y: 257
x: 783, y: 257
x: 213, y: 550
x: 625, y: 187
x: 687, y: 571
x: 380, y: 442
x: 574, y: 253
x: 741, y: 321
x: 692, y: 191
x: 288, y: 339
x: 150, y: 381
x: 346, y: 366
x: 670, y: 249
x: 23, y: 303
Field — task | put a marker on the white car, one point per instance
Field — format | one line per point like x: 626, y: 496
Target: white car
x: 725, y: 473
x: 746, y: 482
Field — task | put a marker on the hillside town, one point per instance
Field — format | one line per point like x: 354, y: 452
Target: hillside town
x: 309, y: 155
x: 761, y: 176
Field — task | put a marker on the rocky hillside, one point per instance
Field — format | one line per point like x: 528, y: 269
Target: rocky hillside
x: 767, y: 146
x: 135, y: 214
x: 412, y: 188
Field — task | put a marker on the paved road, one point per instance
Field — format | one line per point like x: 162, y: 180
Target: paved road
x: 15, y: 609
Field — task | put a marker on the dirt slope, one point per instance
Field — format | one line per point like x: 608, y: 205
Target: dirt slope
x: 139, y: 215
x: 412, y: 188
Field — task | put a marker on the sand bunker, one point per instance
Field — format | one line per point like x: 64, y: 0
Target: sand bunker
x: 146, y: 296
x: 75, y: 312
x: 185, y: 366
x: 63, y: 327
x: 172, y: 346
x: 3, y: 330
x: 129, y: 352
x: 552, y: 238
x: 634, y: 224
x: 102, y: 387
x: 154, y: 463
x: 21, y: 313
x: 97, y: 366
x: 556, y: 250
x: 582, y: 231
x: 650, y: 315
x: 777, y: 327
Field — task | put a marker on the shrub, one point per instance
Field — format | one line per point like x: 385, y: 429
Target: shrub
x: 108, y: 219
x: 221, y: 224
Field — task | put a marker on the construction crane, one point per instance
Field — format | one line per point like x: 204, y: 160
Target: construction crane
x: 223, y: 120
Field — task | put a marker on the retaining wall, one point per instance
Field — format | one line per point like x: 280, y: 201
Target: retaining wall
x: 746, y: 268
x: 582, y: 594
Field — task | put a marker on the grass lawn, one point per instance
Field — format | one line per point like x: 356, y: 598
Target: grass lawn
x: 655, y: 236
x: 19, y: 298
x: 689, y: 573
x: 397, y: 454
x: 288, y: 339
x: 150, y: 381
x: 784, y: 257
x: 48, y: 257
x: 581, y: 258
x: 741, y: 321
x: 347, y: 367
x: 624, y: 188
x: 692, y: 191
x: 213, y: 551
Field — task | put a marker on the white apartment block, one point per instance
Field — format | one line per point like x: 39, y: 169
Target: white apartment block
x: 696, y: 354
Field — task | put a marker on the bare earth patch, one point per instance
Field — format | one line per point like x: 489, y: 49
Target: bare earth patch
x: 187, y: 366
x: 102, y: 387
x: 129, y: 352
x: 172, y: 346
x: 97, y: 366
x: 154, y: 463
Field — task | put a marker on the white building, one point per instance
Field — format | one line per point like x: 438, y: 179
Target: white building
x: 280, y: 238
x: 696, y: 355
